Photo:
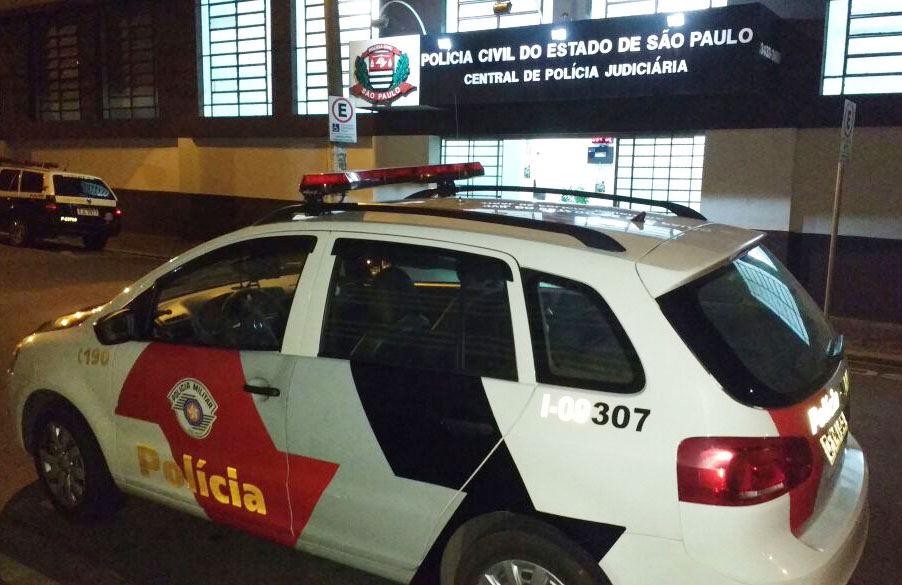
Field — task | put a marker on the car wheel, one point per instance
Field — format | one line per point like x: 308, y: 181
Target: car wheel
x: 94, y: 242
x: 520, y: 558
x: 71, y: 467
x: 19, y: 232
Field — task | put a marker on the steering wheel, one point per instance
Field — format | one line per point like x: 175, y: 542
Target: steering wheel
x: 249, y: 312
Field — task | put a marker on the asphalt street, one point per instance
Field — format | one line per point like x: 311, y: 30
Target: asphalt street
x: 146, y: 544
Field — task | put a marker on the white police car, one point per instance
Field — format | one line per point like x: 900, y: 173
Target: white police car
x: 467, y: 390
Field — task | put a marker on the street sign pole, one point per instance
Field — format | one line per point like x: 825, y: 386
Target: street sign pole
x: 845, y: 153
x: 837, y: 201
x: 338, y: 154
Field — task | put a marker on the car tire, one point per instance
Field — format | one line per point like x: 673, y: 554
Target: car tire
x: 497, y: 557
x: 71, y: 467
x: 20, y: 232
x: 94, y: 242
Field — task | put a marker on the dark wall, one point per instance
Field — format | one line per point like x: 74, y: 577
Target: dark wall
x: 190, y: 216
x: 867, y: 281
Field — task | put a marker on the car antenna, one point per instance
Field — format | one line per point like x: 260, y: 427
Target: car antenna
x: 639, y: 219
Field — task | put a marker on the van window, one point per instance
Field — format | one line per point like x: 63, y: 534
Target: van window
x: 9, y: 180
x: 576, y: 339
x: 32, y: 182
x: 756, y: 330
x: 420, y: 307
x: 81, y: 187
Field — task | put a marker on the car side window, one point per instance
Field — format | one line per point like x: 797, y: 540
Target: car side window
x: 32, y: 182
x: 576, y: 339
x: 236, y: 297
x: 9, y: 180
x: 419, y: 307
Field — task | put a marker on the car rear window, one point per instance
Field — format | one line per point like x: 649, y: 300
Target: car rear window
x: 757, y: 331
x: 81, y: 187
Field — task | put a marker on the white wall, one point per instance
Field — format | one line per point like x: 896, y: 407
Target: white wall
x: 782, y: 179
x: 268, y: 168
x: 872, y: 193
x: 748, y: 177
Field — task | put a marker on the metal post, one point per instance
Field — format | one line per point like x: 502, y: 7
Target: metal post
x: 333, y: 74
x: 837, y: 201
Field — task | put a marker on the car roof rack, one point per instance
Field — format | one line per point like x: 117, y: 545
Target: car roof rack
x: 28, y: 163
x: 588, y: 237
x: 675, y: 208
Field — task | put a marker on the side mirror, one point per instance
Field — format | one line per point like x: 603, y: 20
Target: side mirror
x: 117, y: 327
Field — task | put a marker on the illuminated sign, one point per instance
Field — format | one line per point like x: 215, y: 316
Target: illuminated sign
x: 721, y: 50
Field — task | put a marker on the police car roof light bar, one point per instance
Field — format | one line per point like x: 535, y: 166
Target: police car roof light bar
x: 315, y: 186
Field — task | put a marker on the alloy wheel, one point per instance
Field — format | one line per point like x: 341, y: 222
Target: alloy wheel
x: 516, y: 572
x: 62, y: 465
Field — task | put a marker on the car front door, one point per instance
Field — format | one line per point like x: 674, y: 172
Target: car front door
x: 201, y: 411
x: 417, y: 342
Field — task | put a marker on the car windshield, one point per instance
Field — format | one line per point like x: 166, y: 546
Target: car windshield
x: 756, y: 330
x: 68, y: 186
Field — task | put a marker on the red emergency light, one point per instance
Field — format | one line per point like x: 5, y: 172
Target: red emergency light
x: 328, y: 183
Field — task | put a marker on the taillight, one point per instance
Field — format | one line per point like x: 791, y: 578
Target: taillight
x: 50, y: 206
x: 740, y: 471
x: 117, y: 212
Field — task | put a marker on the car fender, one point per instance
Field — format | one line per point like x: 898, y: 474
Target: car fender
x: 73, y: 379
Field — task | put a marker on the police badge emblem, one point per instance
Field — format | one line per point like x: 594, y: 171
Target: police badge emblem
x: 194, y: 407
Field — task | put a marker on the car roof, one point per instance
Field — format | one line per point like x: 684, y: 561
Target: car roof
x: 692, y: 245
x: 48, y: 171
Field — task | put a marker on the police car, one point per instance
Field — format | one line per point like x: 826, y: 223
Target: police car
x: 38, y: 200
x: 467, y: 390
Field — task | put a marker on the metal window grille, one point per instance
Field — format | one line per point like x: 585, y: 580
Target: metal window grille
x: 59, y: 96
x: 863, y: 47
x: 488, y: 152
x: 128, y: 66
x: 236, y: 57
x: 663, y: 168
x: 614, y: 8
x: 465, y: 15
x: 354, y: 19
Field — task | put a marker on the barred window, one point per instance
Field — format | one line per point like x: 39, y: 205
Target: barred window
x: 488, y: 152
x: 465, y: 15
x: 59, y: 96
x: 236, y: 57
x: 614, y: 8
x: 863, y: 52
x: 128, y: 65
x: 663, y: 168
x: 354, y: 19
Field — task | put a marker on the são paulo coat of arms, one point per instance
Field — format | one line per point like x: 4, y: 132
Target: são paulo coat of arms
x: 381, y: 73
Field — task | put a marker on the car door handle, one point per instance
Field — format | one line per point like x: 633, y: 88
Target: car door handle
x: 262, y: 390
x: 459, y: 426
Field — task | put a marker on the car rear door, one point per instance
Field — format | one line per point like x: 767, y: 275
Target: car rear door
x: 9, y: 191
x: 201, y: 409
x: 417, y: 340
x: 86, y: 198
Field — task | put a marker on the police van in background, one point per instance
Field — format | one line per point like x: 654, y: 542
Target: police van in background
x: 37, y: 200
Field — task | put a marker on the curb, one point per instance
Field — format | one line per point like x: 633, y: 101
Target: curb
x: 873, y: 357
x: 141, y: 253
